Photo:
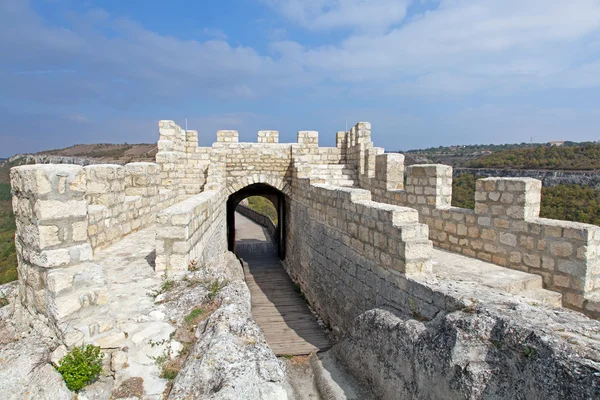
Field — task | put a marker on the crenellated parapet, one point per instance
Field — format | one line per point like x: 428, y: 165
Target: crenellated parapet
x: 505, y: 229
x: 384, y: 218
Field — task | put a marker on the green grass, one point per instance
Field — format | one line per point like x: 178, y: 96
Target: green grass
x: 8, y: 256
x: 263, y: 206
x: 195, y: 313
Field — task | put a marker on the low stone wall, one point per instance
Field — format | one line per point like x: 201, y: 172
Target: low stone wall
x: 193, y: 229
x: 122, y: 200
x: 505, y: 229
x: 260, y: 219
x: 350, y: 254
x: 50, y: 207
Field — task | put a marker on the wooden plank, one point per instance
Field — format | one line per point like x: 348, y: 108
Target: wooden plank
x: 290, y: 328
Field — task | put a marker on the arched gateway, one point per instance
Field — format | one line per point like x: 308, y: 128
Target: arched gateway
x: 272, y: 194
x: 351, y: 235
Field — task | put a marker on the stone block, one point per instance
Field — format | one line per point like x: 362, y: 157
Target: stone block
x: 46, y: 210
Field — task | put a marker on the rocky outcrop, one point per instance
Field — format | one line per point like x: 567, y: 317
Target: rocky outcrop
x: 474, y: 354
x: 548, y: 177
x: 231, y: 359
x: 52, y: 159
x: 26, y: 344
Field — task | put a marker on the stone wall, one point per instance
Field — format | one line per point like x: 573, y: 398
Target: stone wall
x: 193, y: 229
x: 122, y: 200
x: 259, y: 218
x: 505, y: 229
x: 50, y: 206
x: 183, y: 165
x: 362, y: 243
x: 349, y: 253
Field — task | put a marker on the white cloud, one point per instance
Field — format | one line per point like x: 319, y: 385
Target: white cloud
x: 512, y: 43
x: 119, y: 62
x: 365, y: 15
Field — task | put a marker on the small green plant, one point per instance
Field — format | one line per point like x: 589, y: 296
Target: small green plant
x: 169, y: 371
x: 3, y: 302
x: 214, y: 288
x: 415, y: 313
x: 287, y: 356
x: 194, y: 314
x: 153, y: 343
x: 497, y: 343
x: 529, y: 352
x: 81, y: 366
x: 169, y: 368
x: 166, y: 285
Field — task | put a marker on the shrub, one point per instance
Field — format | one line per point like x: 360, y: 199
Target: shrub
x: 81, y: 366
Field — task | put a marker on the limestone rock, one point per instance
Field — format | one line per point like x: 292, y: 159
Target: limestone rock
x: 26, y: 374
x: 231, y: 359
x: 132, y: 388
x: 118, y: 361
x: 58, y: 354
x: 99, y: 390
x: 475, y: 355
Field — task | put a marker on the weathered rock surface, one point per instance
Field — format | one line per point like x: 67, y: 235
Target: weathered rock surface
x: 231, y: 359
x: 476, y: 355
x: 25, y: 348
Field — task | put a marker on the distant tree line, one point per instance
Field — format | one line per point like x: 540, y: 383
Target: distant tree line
x: 473, y: 148
x: 263, y: 206
x: 8, y: 256
x: 585, y: 156
x: 566, y: 202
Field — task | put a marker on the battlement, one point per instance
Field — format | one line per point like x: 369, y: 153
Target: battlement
x: 354, y: 192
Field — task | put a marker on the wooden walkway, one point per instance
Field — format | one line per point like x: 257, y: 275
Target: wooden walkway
x: 290, y: 328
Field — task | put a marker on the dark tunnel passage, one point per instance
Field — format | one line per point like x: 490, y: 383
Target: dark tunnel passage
x: 276, y: 197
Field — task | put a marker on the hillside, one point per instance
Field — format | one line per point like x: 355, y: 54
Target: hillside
x: 103, y: 152
x: 8, y: 257
x: 571, y: 155
x: 566, y: 202
x: 108, y: 152
x: 581, y: 157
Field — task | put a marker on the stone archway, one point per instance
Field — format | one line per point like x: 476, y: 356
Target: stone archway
x: 276, y: 196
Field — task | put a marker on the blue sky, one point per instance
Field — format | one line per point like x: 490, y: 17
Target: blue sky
x: 423, y: 72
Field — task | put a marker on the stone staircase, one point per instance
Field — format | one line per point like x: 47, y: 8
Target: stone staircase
x: 452, y: 266
x: 333, y: 174
x: 80, y: 306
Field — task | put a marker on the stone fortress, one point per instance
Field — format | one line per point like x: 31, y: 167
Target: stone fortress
x: 357, y: 231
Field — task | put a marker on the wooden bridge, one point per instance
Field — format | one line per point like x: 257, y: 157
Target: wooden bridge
x: 289, y: 326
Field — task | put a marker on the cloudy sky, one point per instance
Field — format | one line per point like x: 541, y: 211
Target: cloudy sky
x: 423, y: 72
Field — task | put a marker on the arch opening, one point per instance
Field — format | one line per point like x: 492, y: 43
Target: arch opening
x: 275, y: 196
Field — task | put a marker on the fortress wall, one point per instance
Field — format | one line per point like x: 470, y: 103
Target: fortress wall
x: 194, y: 229
x: 329, y: 155
x: 350, y: 254
x: 50, y: 206
x: 248, y: 163
x: 122, y: 200
x: 183, y: 165
x: 505, y: 229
